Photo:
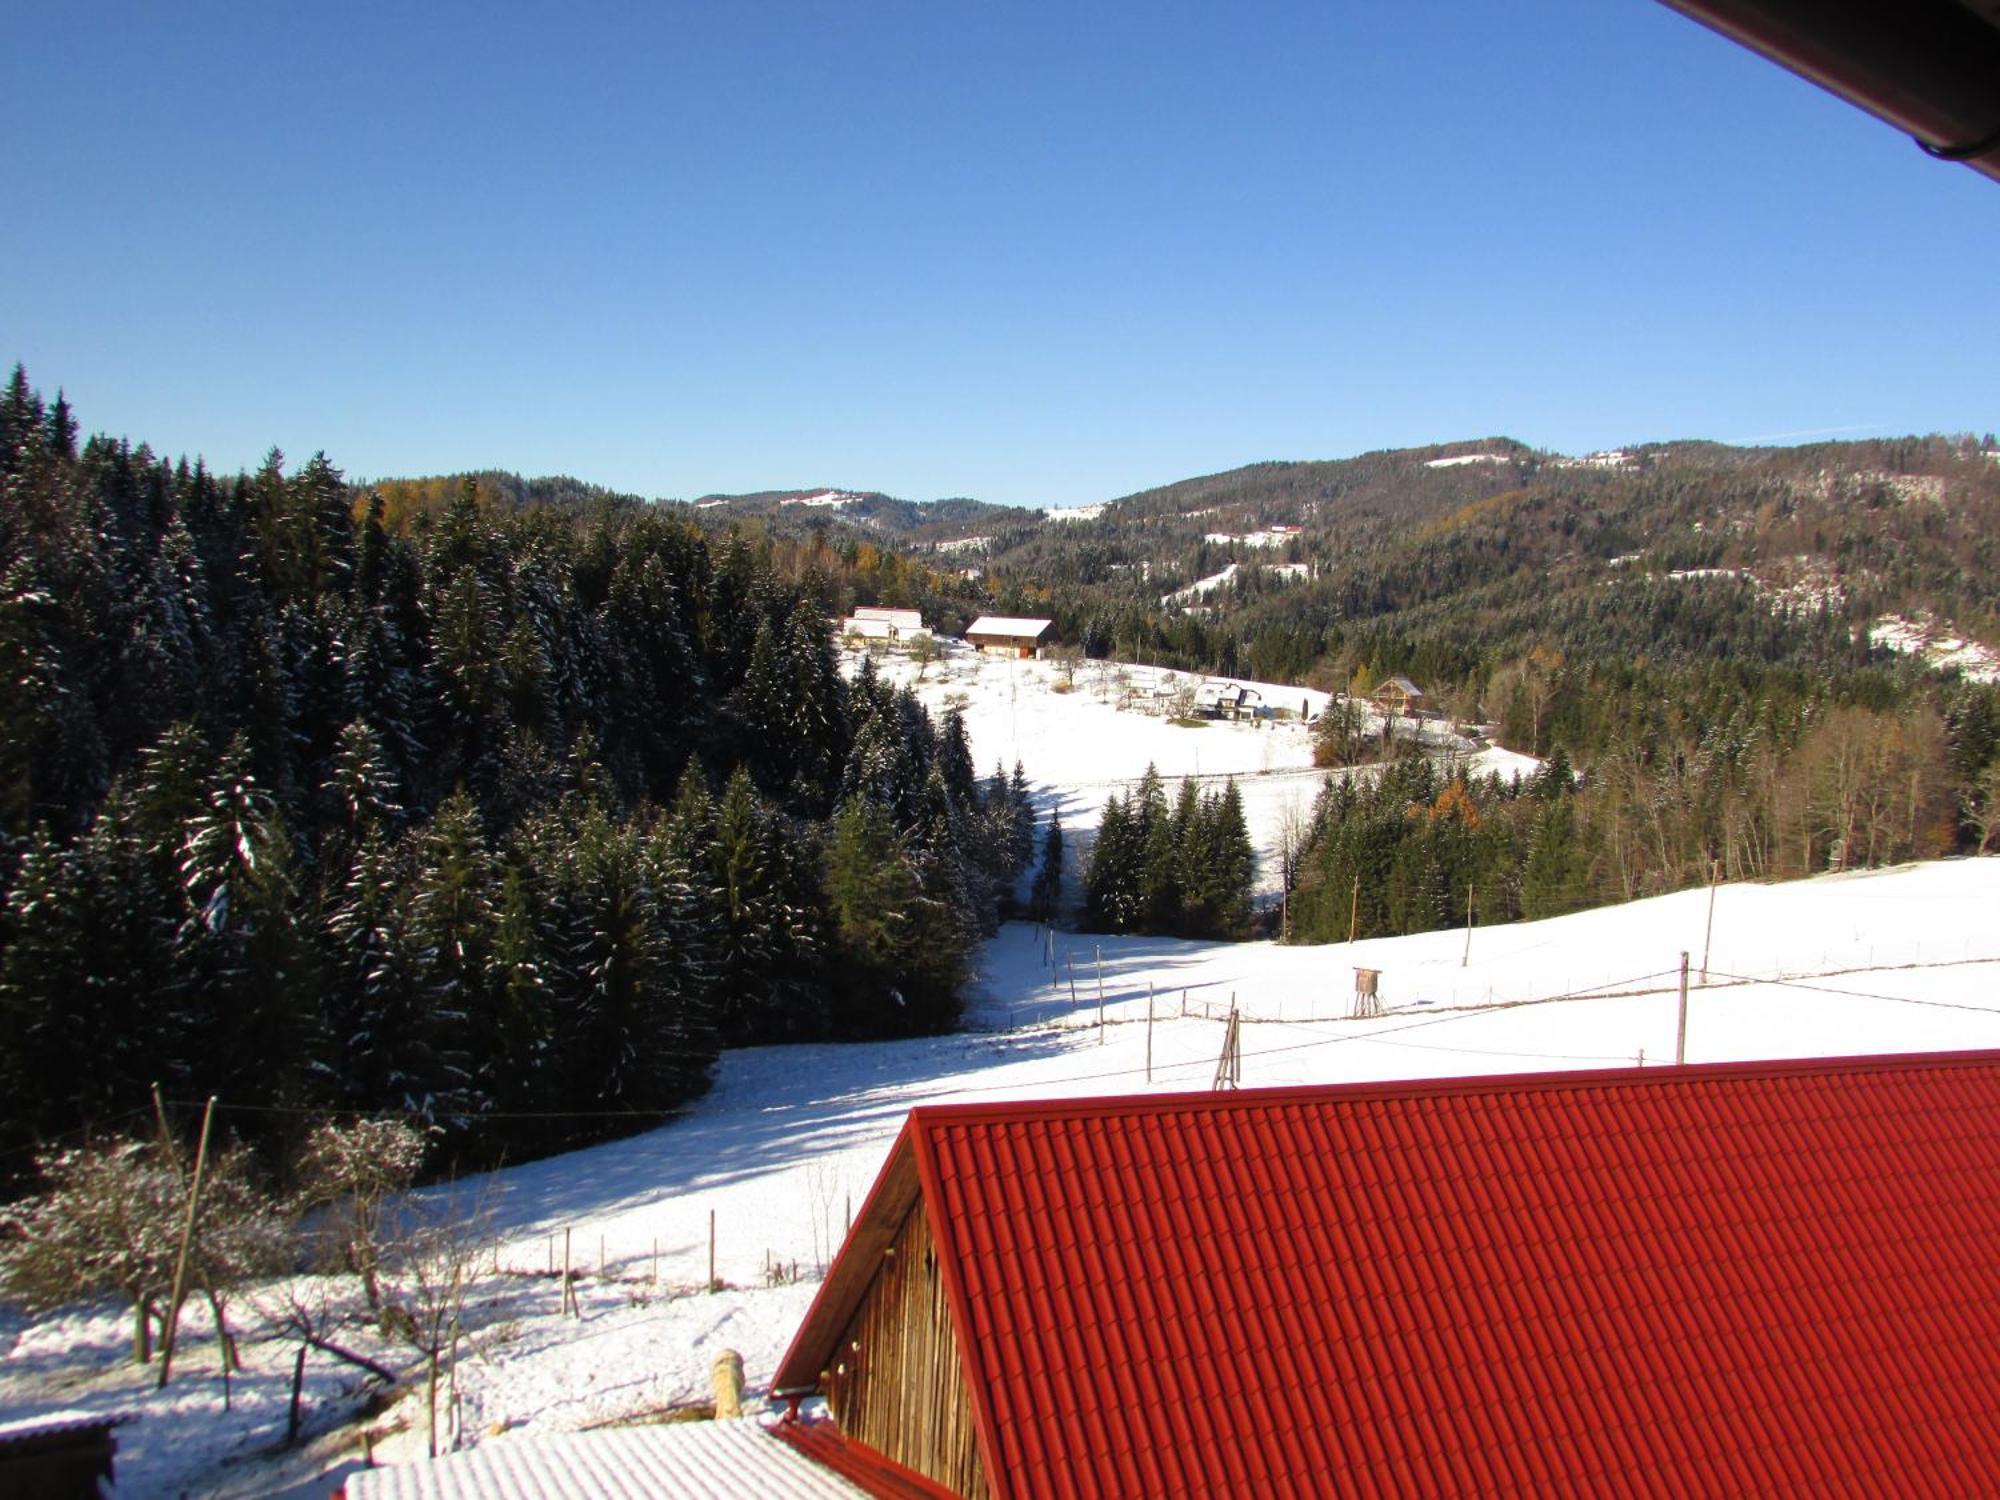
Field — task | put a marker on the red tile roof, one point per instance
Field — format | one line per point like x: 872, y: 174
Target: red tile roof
x: 881, y: 1477
x: 1717, y: 1279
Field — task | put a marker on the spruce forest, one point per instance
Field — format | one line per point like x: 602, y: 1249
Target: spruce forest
x: 504, y: 816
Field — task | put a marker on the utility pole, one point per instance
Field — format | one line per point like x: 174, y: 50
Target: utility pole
x: 1466, y: 957
x: 1681, y: 1037
x: 1354, y: 909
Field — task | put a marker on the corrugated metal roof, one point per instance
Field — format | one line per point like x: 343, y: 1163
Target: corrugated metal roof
x: 1733, y: 1278
x: 715, y: 1460
x: 904, y: 619
x: 1007, y: 625
x: 33, y: 1429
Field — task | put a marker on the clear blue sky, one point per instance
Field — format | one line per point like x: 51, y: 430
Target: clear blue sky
x: 1034, y: 253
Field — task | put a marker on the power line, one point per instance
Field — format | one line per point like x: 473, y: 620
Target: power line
x: 1825, y: 989
x: 474, y: 1116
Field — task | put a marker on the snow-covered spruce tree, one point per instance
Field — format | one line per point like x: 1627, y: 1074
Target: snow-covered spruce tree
x: 625, y: 1032
x: 1046, y: 903
x: 247, y: 972
x: 39, y: 1042
x: 816, y: 713
x: 380, y: 1046
x: 1111, y: 885
x: 451, y: 927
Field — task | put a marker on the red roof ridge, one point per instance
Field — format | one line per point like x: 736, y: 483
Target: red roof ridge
x: 877, y: 1473
x: 1555, y: 1080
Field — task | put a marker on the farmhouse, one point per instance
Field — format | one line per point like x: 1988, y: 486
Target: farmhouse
x: 1398, y: 695
x: 1005, y: 635
x: 1228, y: 700
x: 874, y: 623
x: 1718, y: 1279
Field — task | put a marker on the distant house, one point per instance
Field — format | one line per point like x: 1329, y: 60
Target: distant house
x: 1227, y: 700
x: 1006, y: 635
x: 1730, y: 1278
x: 873, y: 623
x: 1398, y: 695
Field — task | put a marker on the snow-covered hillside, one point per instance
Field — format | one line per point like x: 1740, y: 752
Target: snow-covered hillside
x: 789, y: 1139
x: 1939, y: 645
x: 1082, y: 746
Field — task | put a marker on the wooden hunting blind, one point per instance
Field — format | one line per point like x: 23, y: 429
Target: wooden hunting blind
x: 1367, y: 992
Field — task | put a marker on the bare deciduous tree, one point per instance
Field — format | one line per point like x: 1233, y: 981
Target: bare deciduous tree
x: 111, y: 1220
x: 429, y: 1272
x: 350, y: 1169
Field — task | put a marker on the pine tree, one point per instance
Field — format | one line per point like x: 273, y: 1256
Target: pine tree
x: 248, y: 975
x: 452, y: 930
x: 1046, y: 904
x: 379, y: 1042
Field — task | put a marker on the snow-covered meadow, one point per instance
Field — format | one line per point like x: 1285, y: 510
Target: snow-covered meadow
x: 787, y: 1142
x: 1085, y: 737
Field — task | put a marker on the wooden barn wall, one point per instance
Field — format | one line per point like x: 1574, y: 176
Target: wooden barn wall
x: 896, y: 1383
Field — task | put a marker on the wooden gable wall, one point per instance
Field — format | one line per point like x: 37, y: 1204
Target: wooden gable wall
x: 895, y: 1381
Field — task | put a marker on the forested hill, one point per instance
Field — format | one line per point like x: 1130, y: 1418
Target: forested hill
x: 508, y: 818
x: 1445, y: 562
x: 869, y: 515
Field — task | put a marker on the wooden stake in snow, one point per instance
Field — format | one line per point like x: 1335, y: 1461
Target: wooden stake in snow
x: 568, y: 1296
x: 1149, y: 1031
x: 1681, y: 1037
x: 1100, y: 994
x: 1714, y: 879
x: 187, y: 1240
x: 711, y: 1250
x: 1229, y: 1067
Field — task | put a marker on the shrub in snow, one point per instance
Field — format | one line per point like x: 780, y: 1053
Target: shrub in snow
x: 111, y: 1219
x: 350, y: 1169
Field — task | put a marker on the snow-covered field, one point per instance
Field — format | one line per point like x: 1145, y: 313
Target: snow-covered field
x: 1082, y: 746
x: 790, y: 1137
x: 1938, y: 645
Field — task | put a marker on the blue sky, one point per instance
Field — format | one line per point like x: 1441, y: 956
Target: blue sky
x: 1040, y: 254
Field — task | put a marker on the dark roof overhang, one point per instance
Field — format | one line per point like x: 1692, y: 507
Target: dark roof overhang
x: 1930, y: 68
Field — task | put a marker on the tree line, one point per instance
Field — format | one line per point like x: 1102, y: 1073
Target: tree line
x: 1183, y: 870
x: 508, y: 819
